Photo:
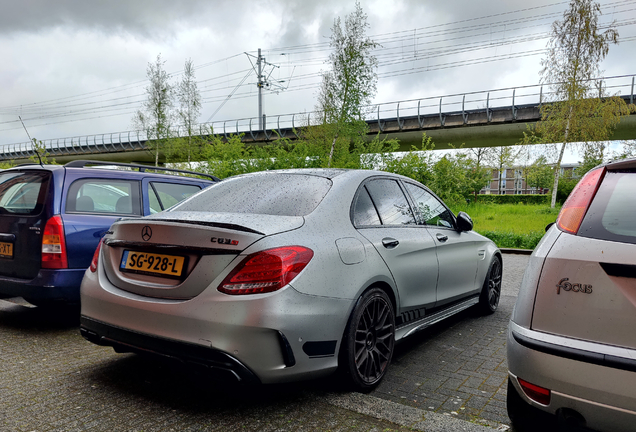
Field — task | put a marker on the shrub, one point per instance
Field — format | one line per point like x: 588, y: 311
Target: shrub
x: 508, y: 239
x: 514, y: 199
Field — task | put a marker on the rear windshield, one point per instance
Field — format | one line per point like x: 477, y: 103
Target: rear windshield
x: 270, y: 194
x: 612, y: 214
x: 23, y: 193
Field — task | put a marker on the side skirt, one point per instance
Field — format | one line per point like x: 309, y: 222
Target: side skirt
x: 409, y: 328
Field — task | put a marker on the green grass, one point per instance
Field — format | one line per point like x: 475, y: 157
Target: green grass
x: 510, y: 225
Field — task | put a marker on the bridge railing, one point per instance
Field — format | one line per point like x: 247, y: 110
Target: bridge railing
x: 286, y: 125
x: 505, y: 98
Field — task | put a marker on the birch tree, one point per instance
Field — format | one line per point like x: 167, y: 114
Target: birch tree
x: 350, y: 84
x: 189, y: 105
x: 155, y: 116
x: 580, y: 110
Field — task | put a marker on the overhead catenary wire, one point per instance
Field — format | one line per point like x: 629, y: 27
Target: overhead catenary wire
x: 399, y: 56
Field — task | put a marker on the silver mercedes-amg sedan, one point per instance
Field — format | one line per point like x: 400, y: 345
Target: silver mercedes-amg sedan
x: 288, y: 275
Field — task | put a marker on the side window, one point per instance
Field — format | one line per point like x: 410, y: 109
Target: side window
x: 390, y: 202
x: 153, y: 200
x: 165, y: 195
x: 364, y: 213
x: 103, y: 196
x: 432, y: 211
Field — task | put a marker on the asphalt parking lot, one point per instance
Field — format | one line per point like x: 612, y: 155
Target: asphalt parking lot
x: 450, y: 377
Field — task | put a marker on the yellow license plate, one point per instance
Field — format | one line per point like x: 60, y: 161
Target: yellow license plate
x: 6, y: 250
x: 152, y: 264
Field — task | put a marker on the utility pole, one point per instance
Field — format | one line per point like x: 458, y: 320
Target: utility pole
x: 260, y: 82
x: 263, y: 82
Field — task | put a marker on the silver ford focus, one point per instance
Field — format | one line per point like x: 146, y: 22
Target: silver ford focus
x: 288, y: 275
x: 572, y: 335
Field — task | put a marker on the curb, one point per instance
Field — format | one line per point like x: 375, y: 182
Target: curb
x: 414, y: 418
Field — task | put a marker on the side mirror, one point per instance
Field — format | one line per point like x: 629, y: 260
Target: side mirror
x: 464, y: 222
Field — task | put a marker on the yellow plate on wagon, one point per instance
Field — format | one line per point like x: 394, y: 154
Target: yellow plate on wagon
x: 6, y: 250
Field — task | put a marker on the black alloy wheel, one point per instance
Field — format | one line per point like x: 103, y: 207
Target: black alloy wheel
x: 491, y: 291
x: 369, y: 340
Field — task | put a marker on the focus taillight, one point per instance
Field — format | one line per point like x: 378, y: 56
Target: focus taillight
x: 575, y: 207
x: 93, y: 265
x: 266, y: 271
x: 53, y: 245
x: 538, y: 394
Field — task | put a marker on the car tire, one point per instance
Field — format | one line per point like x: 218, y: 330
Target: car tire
x: 491, y: 291
x: 368, y: 342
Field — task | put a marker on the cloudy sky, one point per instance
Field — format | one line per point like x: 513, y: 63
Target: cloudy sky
x: 75, y: 67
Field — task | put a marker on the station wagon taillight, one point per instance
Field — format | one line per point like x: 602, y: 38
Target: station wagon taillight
x: 575, y: 207
x: 93, y: 265
x: 266, y: 271
x: 53, y: 245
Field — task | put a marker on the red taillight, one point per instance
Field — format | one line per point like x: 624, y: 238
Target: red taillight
x: 534, y: 392
x: 576, y: 205
x: 93, y: 265
x: 266, y: 271
x: 53, y: 245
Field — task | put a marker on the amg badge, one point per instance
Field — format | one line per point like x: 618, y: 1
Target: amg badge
x: 577, y: 287
x: 227, y: 241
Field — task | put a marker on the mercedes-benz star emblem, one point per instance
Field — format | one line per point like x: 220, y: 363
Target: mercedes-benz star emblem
x: 146, y: 233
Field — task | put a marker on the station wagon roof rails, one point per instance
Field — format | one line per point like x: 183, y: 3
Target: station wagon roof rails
x: 29, y: 163
x: 141, y: 168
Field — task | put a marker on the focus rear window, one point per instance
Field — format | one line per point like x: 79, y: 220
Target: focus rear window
x: 23, y: 193
x: 270, y: 194
x: 612, y: 213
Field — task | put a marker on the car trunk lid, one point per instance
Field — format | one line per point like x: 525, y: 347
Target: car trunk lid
x: 587, y: 288
x: 22, y: 220
x: 588, y: 293
x: 176, y: 255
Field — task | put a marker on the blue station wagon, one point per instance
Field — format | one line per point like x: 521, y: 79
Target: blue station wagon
x: 53, y: 216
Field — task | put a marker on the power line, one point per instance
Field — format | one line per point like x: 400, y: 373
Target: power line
x: 412, y: 47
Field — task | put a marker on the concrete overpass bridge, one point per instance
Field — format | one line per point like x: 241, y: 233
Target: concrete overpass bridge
x: 477, y: 119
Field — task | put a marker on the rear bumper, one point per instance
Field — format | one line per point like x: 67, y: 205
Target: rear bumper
x: 280, y: 337
x: 218, y: 363
x: 599, y: 387
x: 48, y: 285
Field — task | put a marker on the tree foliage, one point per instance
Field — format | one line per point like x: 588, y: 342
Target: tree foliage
x: 155, y: 116
x: 580, y: 111
x: 41, y: 156
x: 540, y: 174
x: 227, y: 157
x: 502, y: 158
x: 188, y: 110
x: 350, y: 84
x: 628, y: 150
x: 593, y: 155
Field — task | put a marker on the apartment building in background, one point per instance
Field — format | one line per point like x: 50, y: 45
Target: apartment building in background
x: 513, y: 182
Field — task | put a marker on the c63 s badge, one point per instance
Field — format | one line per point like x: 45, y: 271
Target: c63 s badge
x: 577, y: 287
x: 227, y: 241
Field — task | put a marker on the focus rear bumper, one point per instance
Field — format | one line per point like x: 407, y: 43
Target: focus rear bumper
x: 596, y: 385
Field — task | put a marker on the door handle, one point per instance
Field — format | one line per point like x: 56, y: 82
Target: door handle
x: 9, y: 238
x: 390, y: 243
x: 441, y: 237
